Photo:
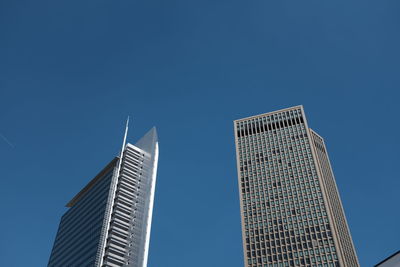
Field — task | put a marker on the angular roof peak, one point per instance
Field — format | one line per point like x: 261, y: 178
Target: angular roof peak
x: 148, y: 141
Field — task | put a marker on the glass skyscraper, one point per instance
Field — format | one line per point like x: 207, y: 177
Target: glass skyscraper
x: 290, y: 207
x: 108, y: 222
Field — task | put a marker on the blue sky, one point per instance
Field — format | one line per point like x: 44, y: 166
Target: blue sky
x: 72, y: 71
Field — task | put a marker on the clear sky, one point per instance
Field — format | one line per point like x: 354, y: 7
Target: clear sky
x: 72, y: 71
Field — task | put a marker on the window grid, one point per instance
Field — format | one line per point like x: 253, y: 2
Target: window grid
x: 283, y: 211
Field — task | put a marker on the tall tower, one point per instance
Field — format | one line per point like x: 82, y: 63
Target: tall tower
x: 290, y: 207
x: 108, y: 222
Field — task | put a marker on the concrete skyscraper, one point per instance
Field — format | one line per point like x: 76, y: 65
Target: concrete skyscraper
x: 290, y: 207
x: 108, y: 222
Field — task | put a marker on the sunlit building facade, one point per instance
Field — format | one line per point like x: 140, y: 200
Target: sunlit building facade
x: 290, y: 207
x: 108, y: 222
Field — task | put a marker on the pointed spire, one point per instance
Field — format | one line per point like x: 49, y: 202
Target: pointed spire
x: 125, y: 135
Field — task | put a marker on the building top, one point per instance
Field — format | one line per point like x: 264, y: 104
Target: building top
x: 269, y: 113
x: 146, y: 143
x: 391, y: 261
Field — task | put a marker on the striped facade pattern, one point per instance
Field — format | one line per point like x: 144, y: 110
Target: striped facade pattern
x: 78, y: 238
x: 125, y: 239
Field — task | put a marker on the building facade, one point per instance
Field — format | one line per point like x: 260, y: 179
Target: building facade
x: 290, y: 207
x: 108, y: 222
x: 391, y: 261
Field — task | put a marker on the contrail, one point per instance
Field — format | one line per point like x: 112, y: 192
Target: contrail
x: 6, y: 140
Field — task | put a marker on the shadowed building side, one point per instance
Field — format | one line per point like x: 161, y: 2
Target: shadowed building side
x: 78, y: 238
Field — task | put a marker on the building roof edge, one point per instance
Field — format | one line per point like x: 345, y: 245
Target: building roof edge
x: 92, y: 182
x: 388, y: 258
x: 269, y: 113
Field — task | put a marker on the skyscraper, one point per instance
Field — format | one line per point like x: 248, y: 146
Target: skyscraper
x: 108, y: 222
x: 290, y: 206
